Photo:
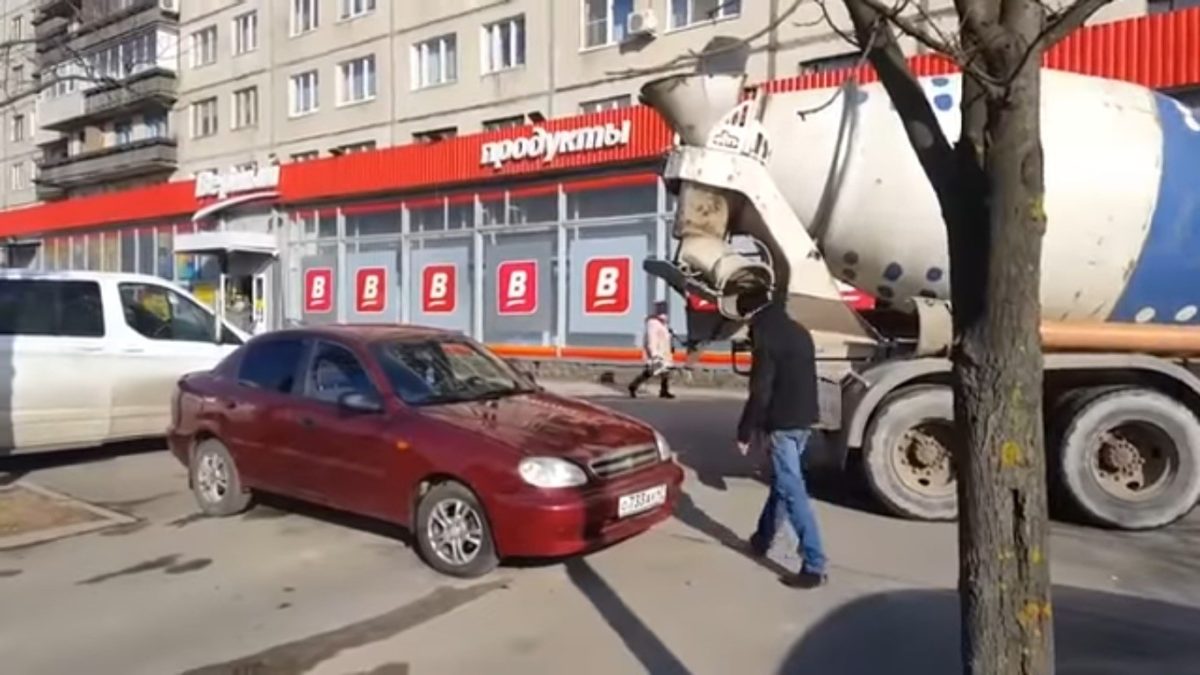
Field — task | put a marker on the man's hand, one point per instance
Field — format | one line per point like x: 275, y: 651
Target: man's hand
x: 743, y: 447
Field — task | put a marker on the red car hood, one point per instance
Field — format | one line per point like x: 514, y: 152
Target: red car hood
x: 546, y: 424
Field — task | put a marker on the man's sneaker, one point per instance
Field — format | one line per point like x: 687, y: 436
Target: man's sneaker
x: 632, y: 391
x: 666, y: 394
x: 806, y: 579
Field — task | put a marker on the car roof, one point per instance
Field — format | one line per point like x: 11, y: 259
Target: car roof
x: 368, y: 332
x: 81, y: 275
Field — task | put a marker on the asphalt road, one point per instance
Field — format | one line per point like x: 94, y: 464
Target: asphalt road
x: 289, y: 589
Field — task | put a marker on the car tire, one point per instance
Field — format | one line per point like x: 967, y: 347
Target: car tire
x: 453, y: 534
x: 1129, y: 458
x: 215, y: 480
x: 910, y: 481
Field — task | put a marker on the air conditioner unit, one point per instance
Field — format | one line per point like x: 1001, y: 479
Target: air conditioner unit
x: 641, y: 24
x: 168, y: 5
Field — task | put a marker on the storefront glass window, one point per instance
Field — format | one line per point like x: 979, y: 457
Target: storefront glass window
x: 166, y: 252
x: 373, y: 224
x: 610, y: 326
x: 112, y: 251
x: 146, y: 250
x: 541, y: 208
x: 94, y: 251
x: 326, y: 224
x: 491, y: 209
x: 461, y: 215
x: 520, y: 291
x: 128, y: 250
x: 612, y: 202
x: 427, y: 216
x: 184, y: 266
x: 78, y: 252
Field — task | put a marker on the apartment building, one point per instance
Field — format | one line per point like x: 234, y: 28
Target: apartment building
x: 289, y: 80
x: 18, y: 114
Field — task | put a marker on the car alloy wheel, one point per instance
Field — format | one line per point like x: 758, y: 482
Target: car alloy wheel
x: 216, y: 482
x: 455, y: 532
x: 212, y: 478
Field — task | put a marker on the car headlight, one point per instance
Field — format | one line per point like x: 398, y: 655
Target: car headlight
x: 664, y: 448
x: 551, y: 472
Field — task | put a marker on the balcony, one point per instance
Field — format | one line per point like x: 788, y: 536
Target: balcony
x: 51, y: 31
x: 146, y: 157
x: 151, y: 89
x: 102, y: 25
x: 56, y: 114
x: 47, y: 9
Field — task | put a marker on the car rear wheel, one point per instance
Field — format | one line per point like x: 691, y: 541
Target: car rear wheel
x: 453, y: 533
x: 215, y: 480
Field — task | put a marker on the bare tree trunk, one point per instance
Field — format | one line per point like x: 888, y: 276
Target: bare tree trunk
x: 1004, y: 579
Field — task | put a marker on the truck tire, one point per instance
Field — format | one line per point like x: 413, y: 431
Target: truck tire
x: 1128, y: 458
x: 907, y: 453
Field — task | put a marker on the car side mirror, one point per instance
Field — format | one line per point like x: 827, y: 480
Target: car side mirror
x: 359, y: 402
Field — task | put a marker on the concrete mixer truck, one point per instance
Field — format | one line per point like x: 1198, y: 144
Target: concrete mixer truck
x: 825, y: 185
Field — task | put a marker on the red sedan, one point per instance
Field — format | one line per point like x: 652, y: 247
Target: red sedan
x: 424, y: 428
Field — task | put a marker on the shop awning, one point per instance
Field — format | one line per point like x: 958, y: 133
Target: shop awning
x: 216, y: 207
x: 220, y: 243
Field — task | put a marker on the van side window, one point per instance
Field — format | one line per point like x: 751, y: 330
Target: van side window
x: 272, y: 365
x: 54, y: 308
x: 160, y: 313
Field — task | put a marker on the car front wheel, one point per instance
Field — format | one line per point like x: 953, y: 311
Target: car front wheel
x: 215, y: 480
x: 453, y: 533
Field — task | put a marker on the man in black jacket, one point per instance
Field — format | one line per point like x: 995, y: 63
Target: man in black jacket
x: 783, y: 405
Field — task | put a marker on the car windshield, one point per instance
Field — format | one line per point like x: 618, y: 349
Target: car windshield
x: 446, y: 371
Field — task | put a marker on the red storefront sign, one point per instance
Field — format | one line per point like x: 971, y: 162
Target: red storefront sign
x: 517, y: 287
x: 607, y: 285
x: 370, y: 290
x: 318, y: 290
x: 439, y: 288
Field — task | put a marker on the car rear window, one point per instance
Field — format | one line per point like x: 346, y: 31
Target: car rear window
x: 53, y: 308
x: 272, y: 365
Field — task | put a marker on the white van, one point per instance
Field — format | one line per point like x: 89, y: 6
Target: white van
x: 88, y: 358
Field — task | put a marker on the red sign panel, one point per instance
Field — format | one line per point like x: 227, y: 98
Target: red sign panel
x: 318, y: 290
x: 439, y: 288
x: 370, y: 290
x: 608, y: 285
x: 517, y: 287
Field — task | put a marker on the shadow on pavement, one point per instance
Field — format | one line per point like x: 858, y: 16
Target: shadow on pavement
x: 1096, y: 633
x: 688, y: 513
x: 654, y: 656
x: 14, y: 467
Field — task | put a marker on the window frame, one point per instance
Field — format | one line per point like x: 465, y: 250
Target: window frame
x: 610, y: 25
x: 245, y: 42
x: 346, y: 11
x: 201, y: 48
x: 491, y: 45
x: 228, y: 337
x: 419, y: 61
x: 195, y: 111
x: 369, y: 74
x: 250, y: 113
x: 724, y: 14
x: 309, y: 9
x: 294, y: 93
x: 601, y: 104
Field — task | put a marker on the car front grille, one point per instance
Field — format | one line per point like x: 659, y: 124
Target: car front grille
x: 625, y: 460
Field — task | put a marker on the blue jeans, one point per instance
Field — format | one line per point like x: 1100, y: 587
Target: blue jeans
x: 789, y: 497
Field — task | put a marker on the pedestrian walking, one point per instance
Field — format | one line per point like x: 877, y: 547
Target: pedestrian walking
x: 782, y: 406
x: 658, y: 352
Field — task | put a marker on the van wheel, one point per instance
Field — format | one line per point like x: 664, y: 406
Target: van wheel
x: 453, y: 534
x: 1128, y: 458
x: 908, y: 455
x: 215, y: 480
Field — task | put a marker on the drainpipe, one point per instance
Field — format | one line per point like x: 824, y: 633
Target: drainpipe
x: 551, y: 80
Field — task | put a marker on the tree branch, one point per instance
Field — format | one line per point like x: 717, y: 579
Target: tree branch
x: 893, y: 15
x: 1063, y: 23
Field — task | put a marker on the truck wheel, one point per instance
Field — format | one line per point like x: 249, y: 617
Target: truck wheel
x: 1128, y: 459
x: 907, y: 453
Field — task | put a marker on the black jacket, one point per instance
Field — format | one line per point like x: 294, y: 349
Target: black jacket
x: 783, y: 376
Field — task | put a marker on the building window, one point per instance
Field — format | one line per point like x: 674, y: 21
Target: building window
x: 246, y: 167
x: 306, y: 156
x: 355, y: 8
x: 435, y: 61
x: 204, y: 47
x: 17, y: 133
x: 16, y: 28
x: 356, y: 80
x: 604, y: 21
x: 829, y: 64
x: 204, y: 118
x: 306, y: 16
x: 686, y: 13
x: 351, y: 148
x: 435, y: 135
x: 504, y: 123
x: 303, y: 93
x: 502, y: 45
x: 245, y: 108
x: 157, y: 125
x: 245, y: 33
x: 18, y: 74
x: 610, y: 103
x: 123, y: 131
x: 18, y: 177
x: 1163, y: 6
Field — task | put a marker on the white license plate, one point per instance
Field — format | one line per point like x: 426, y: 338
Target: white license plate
x: 638, y: 502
